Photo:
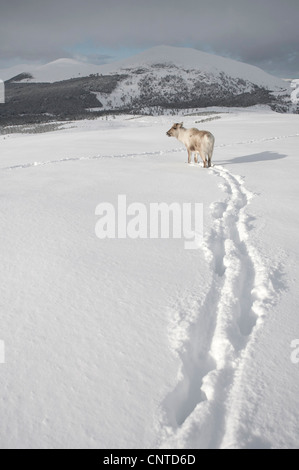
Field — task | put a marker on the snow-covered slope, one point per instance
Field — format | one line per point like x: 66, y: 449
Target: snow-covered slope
x: 181, y: 77
x: 13, y: 71
x: 58, y: 70
x: 295, y: 91
x: 180, y: 57
x: 139, y: 343
x: 192, y: 59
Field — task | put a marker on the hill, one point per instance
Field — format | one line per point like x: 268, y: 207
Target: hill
x: 159, y: 79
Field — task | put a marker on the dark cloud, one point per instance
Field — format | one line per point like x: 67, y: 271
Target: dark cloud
x: 264, y: 33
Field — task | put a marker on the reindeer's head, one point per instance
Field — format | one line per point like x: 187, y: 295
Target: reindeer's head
x: 173, y: 132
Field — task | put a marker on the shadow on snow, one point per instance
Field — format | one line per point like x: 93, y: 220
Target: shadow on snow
x: 254, y: 158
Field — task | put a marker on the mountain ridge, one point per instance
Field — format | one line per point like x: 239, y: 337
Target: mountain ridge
x: 159, y: 79
x: 182, y: 57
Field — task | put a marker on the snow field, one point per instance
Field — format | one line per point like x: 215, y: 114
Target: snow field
x: 140, y: 343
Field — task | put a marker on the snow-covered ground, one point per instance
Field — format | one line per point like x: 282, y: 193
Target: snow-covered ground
x: 140, y: 343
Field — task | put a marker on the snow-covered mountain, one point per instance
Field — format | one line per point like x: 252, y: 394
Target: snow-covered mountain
x: 163, y: 77
x: 181, y: 77
x: 58, y: 70
x: 192, y: 59
x: 159, y: 57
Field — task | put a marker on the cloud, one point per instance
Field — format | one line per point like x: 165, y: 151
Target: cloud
x: 262, y: 33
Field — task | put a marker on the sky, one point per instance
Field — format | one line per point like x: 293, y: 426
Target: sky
x: 264, y: 33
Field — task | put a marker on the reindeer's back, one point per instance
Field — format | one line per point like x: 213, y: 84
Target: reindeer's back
x: 199, y: 138
x: 196, y: 132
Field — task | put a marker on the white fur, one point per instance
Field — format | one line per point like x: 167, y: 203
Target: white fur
x: 196, y: 141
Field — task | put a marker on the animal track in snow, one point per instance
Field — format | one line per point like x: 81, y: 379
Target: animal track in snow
x: 221, y: 328
x: 133, y: 155
x: 95, y: 157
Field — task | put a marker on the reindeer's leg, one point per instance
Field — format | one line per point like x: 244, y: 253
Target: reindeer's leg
x: 210, y: 152
x: 203, y: 157
x: 195, y: 157
x: 189, y: 155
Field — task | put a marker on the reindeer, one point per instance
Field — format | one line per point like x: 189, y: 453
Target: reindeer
x: 199, y: 142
